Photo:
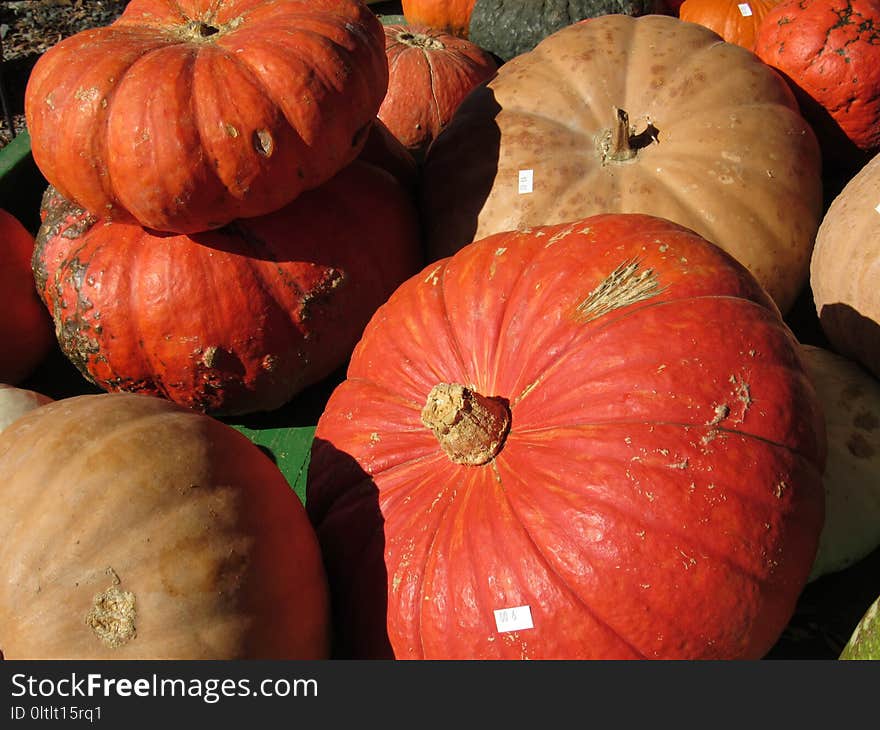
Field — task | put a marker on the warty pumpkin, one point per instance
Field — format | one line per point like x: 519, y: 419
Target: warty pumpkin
x: 705, y: 135
x: 135, y: 529
x: 845, y: 269
x: 25, y: 327
x: 588, y: 440
x: 234, y: 320
x: 429, y: 73
x: 184, y: 116
x: 829, y: 50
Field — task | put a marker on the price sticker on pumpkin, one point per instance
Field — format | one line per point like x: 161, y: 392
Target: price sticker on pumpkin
x: 745, y: 9
x: 516, y: 618
x: 877, y: 208
x: 525, y: 181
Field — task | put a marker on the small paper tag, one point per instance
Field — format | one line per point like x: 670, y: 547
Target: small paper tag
x: 745, y: 9
x: 516, y: 618
x: 877, y: 208
x: 525, y: 181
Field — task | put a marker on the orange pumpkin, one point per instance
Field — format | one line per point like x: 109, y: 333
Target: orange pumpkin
x: 736, y: 21
x: 452, y: 16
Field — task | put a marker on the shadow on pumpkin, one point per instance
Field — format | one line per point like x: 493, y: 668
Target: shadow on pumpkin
x: 852, y: 334
x: 449, y: 219
x: 342, y: 502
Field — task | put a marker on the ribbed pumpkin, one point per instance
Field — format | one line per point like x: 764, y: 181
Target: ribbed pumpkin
x: 706, y: 135
x: 229, y: 321
x: 185, y: 115
x: 134, y: 529
x: 830, y: 52
x: 451, y: 16
x: 736, y: 21
x: 589, y: 440
x: 25, y: 327
x: 845, y: 269
x: 430, y: 72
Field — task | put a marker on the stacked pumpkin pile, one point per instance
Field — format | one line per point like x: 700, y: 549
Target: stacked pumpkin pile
x: 583, y: 430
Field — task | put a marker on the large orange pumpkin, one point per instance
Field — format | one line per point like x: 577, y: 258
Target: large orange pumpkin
x: 706, y: 135
x: 588, y: 440
x: 451, y: 16
x: 235, y: 320
x: 25, y: 327
x: 134, y: 529
x: 736, y: 21
x: 185, y: 115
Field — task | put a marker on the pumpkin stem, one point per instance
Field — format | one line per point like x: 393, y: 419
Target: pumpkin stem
x: 620, y: 143
x: 470, y: 427
x: 419, y: 40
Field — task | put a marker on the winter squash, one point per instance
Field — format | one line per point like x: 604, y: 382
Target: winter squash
x: 184, y: 116
x: 845, y: 269
x: 160, y: 534
x: 15, y: 402
x: 508, y: 28
x: 736, y: 21
x: 430, y: 72
x: 865, y: 640
x: 229, y: 321
x: 586, y: 440
x: 850, y: 399
x: 25, y: 328
x: 451, y: 16
x: 705, y: 135
x: 830, y: 52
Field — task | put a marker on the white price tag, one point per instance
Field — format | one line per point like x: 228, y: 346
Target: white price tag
x: 745, y: 9
x: 516, y: 618
x: 877, y: 208
x: 525, y: 181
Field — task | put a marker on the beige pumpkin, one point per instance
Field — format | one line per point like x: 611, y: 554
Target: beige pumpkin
x: 845, y: 269
x: 850, y: 398
x: 706, y: 135
x: 15, y: 402
x: 135, y: 529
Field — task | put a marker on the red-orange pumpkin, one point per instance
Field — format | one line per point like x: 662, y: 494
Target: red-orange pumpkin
x: 234, y: 320
x: 602, y: 430
x: 430, y: 72
x: 187, y: 114
x: 829, y: 50
x: 25, y: 327
x: 736, y: 21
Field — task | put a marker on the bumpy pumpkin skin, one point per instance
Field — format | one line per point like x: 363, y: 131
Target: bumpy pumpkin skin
x: 186, y: 115
x: 231, y: 321
x: 25, y: 327
x: 845, y: 269
x: 508, y: 28
x: 177, y: 518
x: 451, y: 16
x: 658, y: 493
x: 830, y: 52
x: 430, y: 72
x: 736, y: 21
x: 729, y: 154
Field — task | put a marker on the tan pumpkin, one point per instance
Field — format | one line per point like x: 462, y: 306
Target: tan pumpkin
x: 706, y: 136
x: 845, y: 269
x: 135, y: 529
x: 850, y: 399
x: 15, y: 402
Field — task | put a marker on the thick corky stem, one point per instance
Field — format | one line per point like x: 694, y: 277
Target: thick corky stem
x: 470, y: 427
x: 620, y: 143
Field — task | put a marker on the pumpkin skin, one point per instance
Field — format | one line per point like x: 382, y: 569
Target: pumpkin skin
x: 829, y: 50
x: 25, y: 328
x: 184, y: 116
x: 451, y: 16
x: 657, y: 493
x: 508, y: 28
x: 850, y: 399
x: 15, y: 402
x: 735, y: 21
x: 864, y: 644
x: 845, y: 270
x: 172, y: 513
x: 430, y: 72
x: 730, y: 157
x: 230, y: 321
